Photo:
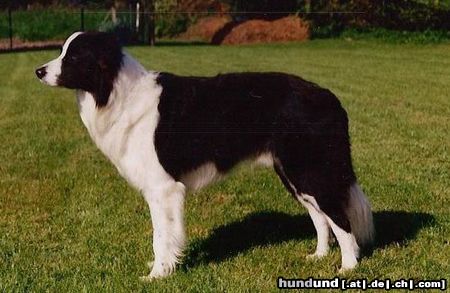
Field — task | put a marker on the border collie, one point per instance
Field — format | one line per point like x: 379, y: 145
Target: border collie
x: 167, y: 133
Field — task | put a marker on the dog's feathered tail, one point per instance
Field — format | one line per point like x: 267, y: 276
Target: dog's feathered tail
x: 359, y: 214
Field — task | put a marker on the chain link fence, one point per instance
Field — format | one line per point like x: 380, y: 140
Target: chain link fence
x: 34, y: 27
x: 44, y: 28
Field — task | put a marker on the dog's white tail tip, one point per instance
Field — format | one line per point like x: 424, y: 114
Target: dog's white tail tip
x: 359, y: 213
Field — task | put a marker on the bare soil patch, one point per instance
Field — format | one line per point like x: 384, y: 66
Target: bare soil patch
x: 222, y: 30
x: 205, y: 28
x: 19, y: 44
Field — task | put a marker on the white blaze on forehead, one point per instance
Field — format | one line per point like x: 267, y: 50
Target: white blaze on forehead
x: 67, y: 43
x: 53, y: 68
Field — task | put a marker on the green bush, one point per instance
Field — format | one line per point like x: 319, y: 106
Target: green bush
x: 396, y: 19
x: 43, y: 24
x: 276, y: 8
x: 399, y: 15
x: 170, y: 26
x: 37, y: 25
x: 167, y: 23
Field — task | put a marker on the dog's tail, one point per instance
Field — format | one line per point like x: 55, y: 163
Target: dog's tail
x: 359, y: 214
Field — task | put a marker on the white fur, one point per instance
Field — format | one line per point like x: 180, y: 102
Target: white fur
x: 359, y: 213
x: 319, y: 220
x: 53, y: 68
x: 123, y: 130
x: 200, y: 177
x: 208, y: 173
x: 322, y: 227
x: 265, y: 159
x: 167, y: 213
x: 322, y: 223
x: 348, y: 245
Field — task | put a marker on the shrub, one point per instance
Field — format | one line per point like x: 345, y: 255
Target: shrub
x: 47, y: 24
x: 399, y: 15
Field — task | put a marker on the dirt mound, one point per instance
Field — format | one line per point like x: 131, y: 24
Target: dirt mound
x: 287, y: 29
x: 205, y: 28
x: 222, y: 30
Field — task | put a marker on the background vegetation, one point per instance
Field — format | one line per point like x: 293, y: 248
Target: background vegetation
x: 328, y: 18
x: 69, y: 222
x: 48, y: 24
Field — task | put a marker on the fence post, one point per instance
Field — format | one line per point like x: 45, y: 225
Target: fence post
x: 149, y: 9
x: 82, y: 18
x: 10, y: 28
x: 308, y: 6
x: 151, y: 24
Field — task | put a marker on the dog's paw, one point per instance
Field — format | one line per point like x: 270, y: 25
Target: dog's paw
x: 161, y: 270
x: 158, y: 270
x: 347, y: 267
x: 343, y: 270
x: 146, y: 279
x: 316, y: 255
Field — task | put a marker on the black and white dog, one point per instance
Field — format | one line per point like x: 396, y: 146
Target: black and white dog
x: 166, y: 133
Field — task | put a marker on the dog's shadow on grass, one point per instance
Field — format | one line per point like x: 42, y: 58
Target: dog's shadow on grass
x: 269, y: 228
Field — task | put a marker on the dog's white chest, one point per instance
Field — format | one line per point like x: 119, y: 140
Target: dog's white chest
x: 86, y: 106
x: 100, y: 127
x: 124, y: 130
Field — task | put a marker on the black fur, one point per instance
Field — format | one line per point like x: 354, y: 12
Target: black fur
x: 231, y: 117
x: 91, y: 63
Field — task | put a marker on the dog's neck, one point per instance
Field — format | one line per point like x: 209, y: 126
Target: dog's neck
x: 111, y: 118
x: 130, y: 71
x: 129, y: 74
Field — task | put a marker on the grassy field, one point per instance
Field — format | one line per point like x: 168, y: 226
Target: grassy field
x: 69, y: 222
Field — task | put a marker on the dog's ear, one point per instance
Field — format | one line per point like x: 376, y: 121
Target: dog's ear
x: 109, y: 60
x: 109, y: 54
x: 109, y: 42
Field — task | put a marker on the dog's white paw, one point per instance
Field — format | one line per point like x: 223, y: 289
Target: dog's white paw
x: 158, y: 270
x: 343, y: 270
x: 316, y: 255
x: 347, y: 267
x: 146, y: 278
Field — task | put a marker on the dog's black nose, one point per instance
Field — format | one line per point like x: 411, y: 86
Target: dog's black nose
x: 41, y: 72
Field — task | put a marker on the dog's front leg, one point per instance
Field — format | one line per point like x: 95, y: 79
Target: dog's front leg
x: 167, y: 210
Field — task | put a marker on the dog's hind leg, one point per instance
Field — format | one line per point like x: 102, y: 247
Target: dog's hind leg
x: 318, y: 218
x: 347, y: 243
x: 322, y: 228
x: 331, y: 204
x: 167, y: 210
x: 358, y: 213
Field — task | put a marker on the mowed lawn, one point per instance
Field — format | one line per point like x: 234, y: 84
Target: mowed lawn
x: 69, y: 222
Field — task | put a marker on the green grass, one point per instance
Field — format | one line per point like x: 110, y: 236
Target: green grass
x: 396, y: 36
x: 69, y: 222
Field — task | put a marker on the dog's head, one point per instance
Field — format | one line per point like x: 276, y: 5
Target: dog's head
x: 89, y: 61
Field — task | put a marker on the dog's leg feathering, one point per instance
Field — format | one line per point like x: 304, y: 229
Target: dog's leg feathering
x: 167, y: 210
